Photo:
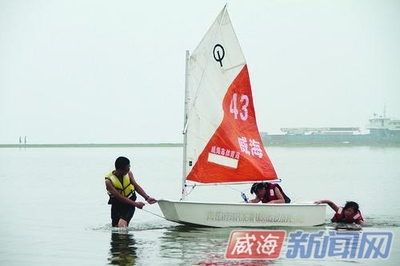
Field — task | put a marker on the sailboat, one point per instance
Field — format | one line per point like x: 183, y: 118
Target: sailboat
x: 222, y: 144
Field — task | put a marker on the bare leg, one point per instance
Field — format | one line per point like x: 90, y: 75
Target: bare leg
x: 122, y: 223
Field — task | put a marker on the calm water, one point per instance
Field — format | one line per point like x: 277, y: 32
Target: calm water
x: 54, y: 211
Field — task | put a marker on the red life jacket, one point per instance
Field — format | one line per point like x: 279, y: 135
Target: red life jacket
x: 339, y: 217
x: 270, y: 195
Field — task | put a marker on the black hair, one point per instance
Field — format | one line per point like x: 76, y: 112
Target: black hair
x: 257, y: 186
x: 121, y: 162
x: 351, y: 204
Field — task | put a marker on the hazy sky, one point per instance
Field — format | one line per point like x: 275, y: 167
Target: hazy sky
x: 113, y: 71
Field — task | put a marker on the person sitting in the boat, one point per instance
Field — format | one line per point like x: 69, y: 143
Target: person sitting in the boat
x: 350, y: 213
x: 268, y: 193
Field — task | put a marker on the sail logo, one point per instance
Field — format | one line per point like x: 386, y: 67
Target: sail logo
x: 224, y: 157
x: 219, y: 53
x: 251, y: 147
x: 267, y: 244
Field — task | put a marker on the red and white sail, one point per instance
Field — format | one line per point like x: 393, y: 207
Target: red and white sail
x: 223, y: 144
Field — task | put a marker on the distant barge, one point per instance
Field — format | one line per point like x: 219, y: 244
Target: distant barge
x: 382, y: 131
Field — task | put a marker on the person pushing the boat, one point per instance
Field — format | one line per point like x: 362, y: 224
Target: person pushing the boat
x: 268, y: 193
x: 122, y: 187
x: 350, y: 213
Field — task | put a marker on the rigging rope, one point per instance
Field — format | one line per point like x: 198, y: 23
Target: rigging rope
x: 153, y: 213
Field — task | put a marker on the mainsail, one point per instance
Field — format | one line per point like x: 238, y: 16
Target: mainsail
x: 223, y: 144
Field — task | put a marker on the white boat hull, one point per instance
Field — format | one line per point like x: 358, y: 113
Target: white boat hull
x: 242, y: 214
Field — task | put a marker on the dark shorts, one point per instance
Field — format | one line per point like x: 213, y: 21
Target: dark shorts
x: 121, y: 210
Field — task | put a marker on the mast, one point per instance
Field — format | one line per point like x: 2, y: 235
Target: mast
x: 185, y: 119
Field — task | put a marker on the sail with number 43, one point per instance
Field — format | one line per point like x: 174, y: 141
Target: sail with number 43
x: 223, y: 141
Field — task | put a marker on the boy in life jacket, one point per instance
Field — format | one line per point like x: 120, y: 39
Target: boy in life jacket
x: 268, y: 193
x: 350, y: 213
x: 121, y: 187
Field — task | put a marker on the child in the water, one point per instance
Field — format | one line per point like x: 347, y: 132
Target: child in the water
x: 350, y: 213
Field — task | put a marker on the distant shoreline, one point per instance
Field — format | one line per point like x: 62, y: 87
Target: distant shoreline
x: 91, y: 145
x: 155, y: 145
